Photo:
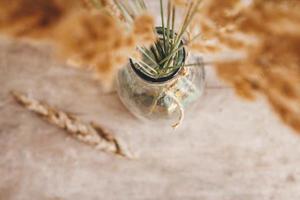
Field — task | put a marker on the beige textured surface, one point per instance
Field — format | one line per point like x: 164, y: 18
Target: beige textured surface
x: 226, y: 150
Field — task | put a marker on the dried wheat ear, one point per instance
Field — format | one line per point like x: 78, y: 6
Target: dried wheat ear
x: 88, y: 133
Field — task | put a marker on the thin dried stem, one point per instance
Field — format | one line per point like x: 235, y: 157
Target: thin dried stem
x: 88, y: 133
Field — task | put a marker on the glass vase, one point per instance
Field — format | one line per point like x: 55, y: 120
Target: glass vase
x: 166, y: 99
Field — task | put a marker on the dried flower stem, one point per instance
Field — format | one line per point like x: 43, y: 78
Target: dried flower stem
x: 90, y: 133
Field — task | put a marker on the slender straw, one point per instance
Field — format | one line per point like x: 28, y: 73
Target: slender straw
x: 168, y: 25
x: 163, y: 22
x: 191, y: 11
x: 173, y: 23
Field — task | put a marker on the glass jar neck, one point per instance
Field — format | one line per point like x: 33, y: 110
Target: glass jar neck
x: 180, y: 60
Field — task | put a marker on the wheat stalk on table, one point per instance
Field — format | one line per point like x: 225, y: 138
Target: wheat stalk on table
x: 89, y: 133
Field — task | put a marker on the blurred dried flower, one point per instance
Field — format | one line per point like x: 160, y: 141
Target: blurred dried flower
x: 271, y: 65
x: 33, y: 18
x: 100, y: 42
x: 143, y: 29
x: 96, y: 41
x: 92, y: 39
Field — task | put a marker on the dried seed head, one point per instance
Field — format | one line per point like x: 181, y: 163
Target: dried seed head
x: 144, y: 29
x: 272, y: 63
x: 97, y: 41
x: 33, y: 18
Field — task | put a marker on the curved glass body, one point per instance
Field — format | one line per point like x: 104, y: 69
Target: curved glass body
x: 166, y: 100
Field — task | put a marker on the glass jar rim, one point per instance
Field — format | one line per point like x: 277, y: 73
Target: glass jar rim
x: 172, y: 75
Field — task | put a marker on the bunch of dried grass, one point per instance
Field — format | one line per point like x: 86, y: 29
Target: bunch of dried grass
x: 263, y: 37
x: 271, y: 65
x: 264, y: 33
x: 33, y: 18
x: 93, y: 38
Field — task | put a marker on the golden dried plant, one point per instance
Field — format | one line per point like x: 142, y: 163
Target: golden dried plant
x: 271, y: 62
x: 33, y: 18
x: 262, y: 36
x: 94, y: 38
x: 88, y: 133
